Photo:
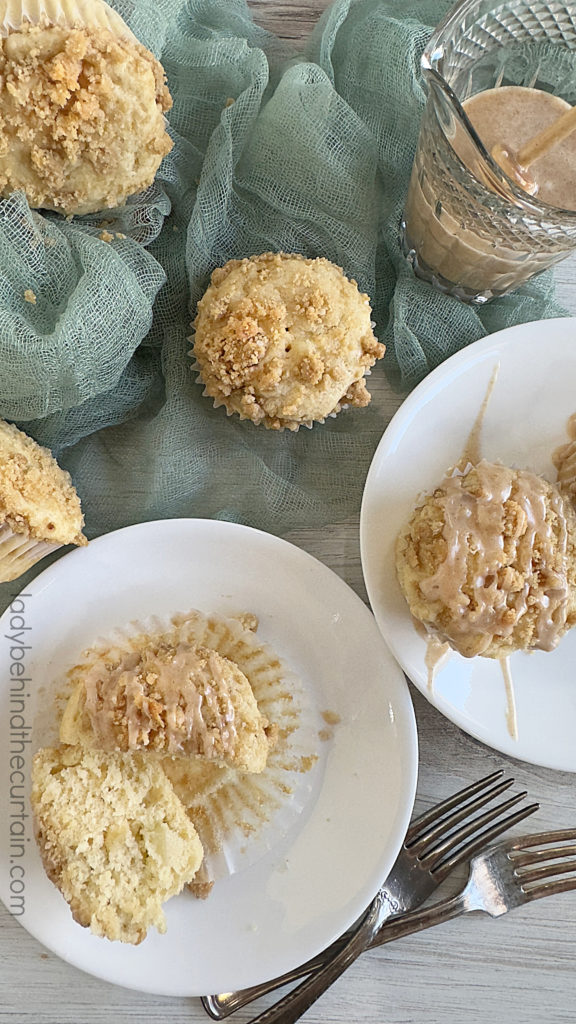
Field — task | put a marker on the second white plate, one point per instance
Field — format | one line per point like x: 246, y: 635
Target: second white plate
x: 526, y: 419
x: 320, y: 872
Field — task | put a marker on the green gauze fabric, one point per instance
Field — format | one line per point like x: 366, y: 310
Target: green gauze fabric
x: 272, y: 151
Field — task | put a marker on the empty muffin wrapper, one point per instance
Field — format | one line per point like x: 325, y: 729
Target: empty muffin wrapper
x: 239, y: 816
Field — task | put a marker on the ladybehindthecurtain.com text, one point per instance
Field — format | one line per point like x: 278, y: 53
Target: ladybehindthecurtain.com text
x: 18, y: 753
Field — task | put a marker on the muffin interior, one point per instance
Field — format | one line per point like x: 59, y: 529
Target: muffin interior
x: 113, y: 837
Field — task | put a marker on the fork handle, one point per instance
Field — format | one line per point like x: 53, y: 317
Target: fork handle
x: 289, y: 1009
x: 218, y: 1007
x: 221, y: 1006
x: 418, y: 920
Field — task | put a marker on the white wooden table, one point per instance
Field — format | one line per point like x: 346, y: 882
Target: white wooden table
x: 518, y: 970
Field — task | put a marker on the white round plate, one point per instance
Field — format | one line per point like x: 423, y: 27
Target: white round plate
x: 319, y: 876
x: 526, y: 419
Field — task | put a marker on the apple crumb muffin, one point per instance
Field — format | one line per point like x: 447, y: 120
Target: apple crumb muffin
x: 284, y: 341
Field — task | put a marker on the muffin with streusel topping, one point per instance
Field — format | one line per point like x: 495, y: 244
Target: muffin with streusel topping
x: 39, y: 508
x: 283, y: 340
x: 487, y: 562
x: 82, y: 108
x: 175, y: 699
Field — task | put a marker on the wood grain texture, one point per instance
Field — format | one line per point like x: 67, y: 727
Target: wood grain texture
x: 517, y: 970
x: 288, y: 19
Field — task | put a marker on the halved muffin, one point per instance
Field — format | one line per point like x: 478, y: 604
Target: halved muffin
x: 177, y: 700
x: 114, y: 838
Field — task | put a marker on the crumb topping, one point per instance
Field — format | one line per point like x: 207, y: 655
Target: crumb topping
x: 284, y: 340
x: 37, y: 497
x: 487, y: 562
x: 81, y: 117
x: 180, y: 700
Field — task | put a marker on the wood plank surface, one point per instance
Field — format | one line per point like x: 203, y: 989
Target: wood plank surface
x: 518, y: 970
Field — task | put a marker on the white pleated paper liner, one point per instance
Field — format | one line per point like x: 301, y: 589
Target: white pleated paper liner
x: 219, y: 402
x: 18, y: 553
x: 239, y: 816
x: 92, y: 14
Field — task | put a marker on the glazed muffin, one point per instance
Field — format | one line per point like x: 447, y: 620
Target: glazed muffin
x: 177, y: 700
x: 283, y: 341
x: 487, y: 562
x: 39, y: 507
x: 82, y: 107
x: 113, y: 838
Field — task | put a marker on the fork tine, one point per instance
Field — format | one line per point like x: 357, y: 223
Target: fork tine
x: 521, y: 858
x: 428, y: 836
x: 437, y: 812
x: 550, y: 888
x: 545, y: 871
x: 484, y: 837
x: 542, y: 838
x: 452, y: 841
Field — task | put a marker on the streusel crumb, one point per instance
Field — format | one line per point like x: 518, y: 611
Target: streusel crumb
x: 283, y: 340
x: 37, y: 497
x: 81, y: 117
x: 180, y: 700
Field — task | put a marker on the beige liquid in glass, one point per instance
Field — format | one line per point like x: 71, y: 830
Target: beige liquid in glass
x: 509, y: 116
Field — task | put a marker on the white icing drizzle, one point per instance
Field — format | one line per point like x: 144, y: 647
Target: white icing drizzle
x: 500, y: 594
x: 437, y: 654
x: 511, y: 716
x: 174, y: 701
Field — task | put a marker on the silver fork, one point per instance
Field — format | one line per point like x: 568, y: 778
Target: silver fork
x: 436, y: 842
x: 500, y: 879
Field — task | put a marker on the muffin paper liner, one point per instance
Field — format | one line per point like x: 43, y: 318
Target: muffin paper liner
x: 95, y: 14
x: 239, y: 816
x: 219, y: 402
x: 18, y: 553
x: 564, y: 460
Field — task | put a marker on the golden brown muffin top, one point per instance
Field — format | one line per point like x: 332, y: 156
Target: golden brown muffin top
x: 81, y: 117
x: 487, y: 562
x: 284, y: 340
x: 181, y: 700
x: 37, y: 497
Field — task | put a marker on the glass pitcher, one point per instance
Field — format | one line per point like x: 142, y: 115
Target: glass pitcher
x: 468, y: 228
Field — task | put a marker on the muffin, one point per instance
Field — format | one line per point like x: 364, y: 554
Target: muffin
x: 113, y: 838
x: 39, y: 507
x: 487, y: 562
x: 82, y: 107
x: 283, y: 340
x: 176, y: 700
